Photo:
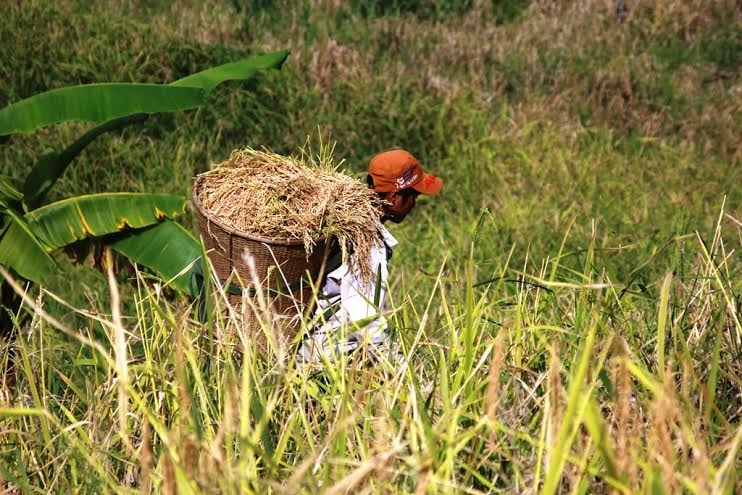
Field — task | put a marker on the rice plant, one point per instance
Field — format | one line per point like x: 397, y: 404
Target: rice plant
x: 537, y: 379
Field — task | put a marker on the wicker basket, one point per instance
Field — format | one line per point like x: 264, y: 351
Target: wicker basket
x: 281, y: 266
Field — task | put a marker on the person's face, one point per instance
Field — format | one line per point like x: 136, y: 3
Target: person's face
x: 402, y: 202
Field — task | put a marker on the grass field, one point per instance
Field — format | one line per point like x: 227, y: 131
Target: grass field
x: 569, y: 304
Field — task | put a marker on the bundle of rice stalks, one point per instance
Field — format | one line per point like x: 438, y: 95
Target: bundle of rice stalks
x: 269, y: 195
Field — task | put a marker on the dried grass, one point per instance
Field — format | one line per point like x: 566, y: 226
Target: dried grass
x: 305, y: 197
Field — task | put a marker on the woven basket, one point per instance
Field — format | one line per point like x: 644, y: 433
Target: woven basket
x: 282, y: 268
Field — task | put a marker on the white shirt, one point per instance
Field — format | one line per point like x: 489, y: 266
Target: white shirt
x: 350, y: 313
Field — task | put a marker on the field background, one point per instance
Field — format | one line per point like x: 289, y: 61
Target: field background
x: 588, y: 148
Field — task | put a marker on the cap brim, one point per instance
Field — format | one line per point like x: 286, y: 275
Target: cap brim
x: 429, y: 184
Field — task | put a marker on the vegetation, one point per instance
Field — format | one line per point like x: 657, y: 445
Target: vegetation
x: 29, y: 234
x: 569, y: 304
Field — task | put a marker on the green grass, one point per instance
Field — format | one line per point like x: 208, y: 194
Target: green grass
x: 466, y: 413
x: 603, y: 152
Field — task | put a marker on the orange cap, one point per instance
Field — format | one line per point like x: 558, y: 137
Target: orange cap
x: 395, y: 170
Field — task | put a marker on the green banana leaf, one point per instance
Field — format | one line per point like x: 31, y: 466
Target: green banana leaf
x: 167, y: 249
x: 52, y: 165
x: 96, y: 103
x: 242, y: 69
x: 10, y: 188
x: 22, y: 251
x: 70, y: 220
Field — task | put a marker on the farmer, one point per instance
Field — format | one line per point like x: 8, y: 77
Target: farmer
x: 349, y: 312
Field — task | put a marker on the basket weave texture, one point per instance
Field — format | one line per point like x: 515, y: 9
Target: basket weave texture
x: 278, y: 263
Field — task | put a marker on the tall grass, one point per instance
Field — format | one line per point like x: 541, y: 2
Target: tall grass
x: 528, y: 379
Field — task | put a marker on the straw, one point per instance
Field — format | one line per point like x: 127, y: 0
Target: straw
x: 306, y: 197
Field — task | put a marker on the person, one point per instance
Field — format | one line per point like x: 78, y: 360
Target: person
x: 350, y: 314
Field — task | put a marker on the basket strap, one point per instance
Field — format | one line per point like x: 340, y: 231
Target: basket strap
x: 236, y: 290
x: 334, y: 262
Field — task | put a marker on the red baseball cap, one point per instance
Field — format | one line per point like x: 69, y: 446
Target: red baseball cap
x: 395, y: 170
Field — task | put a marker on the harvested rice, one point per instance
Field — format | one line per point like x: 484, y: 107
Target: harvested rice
x: 307, y: 198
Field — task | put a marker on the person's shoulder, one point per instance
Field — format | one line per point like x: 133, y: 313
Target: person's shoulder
x: 389, y: 240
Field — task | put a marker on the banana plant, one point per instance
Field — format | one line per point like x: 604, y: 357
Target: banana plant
x: 139, y: 226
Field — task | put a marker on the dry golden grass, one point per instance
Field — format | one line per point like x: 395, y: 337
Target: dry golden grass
x: 596, y: 62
